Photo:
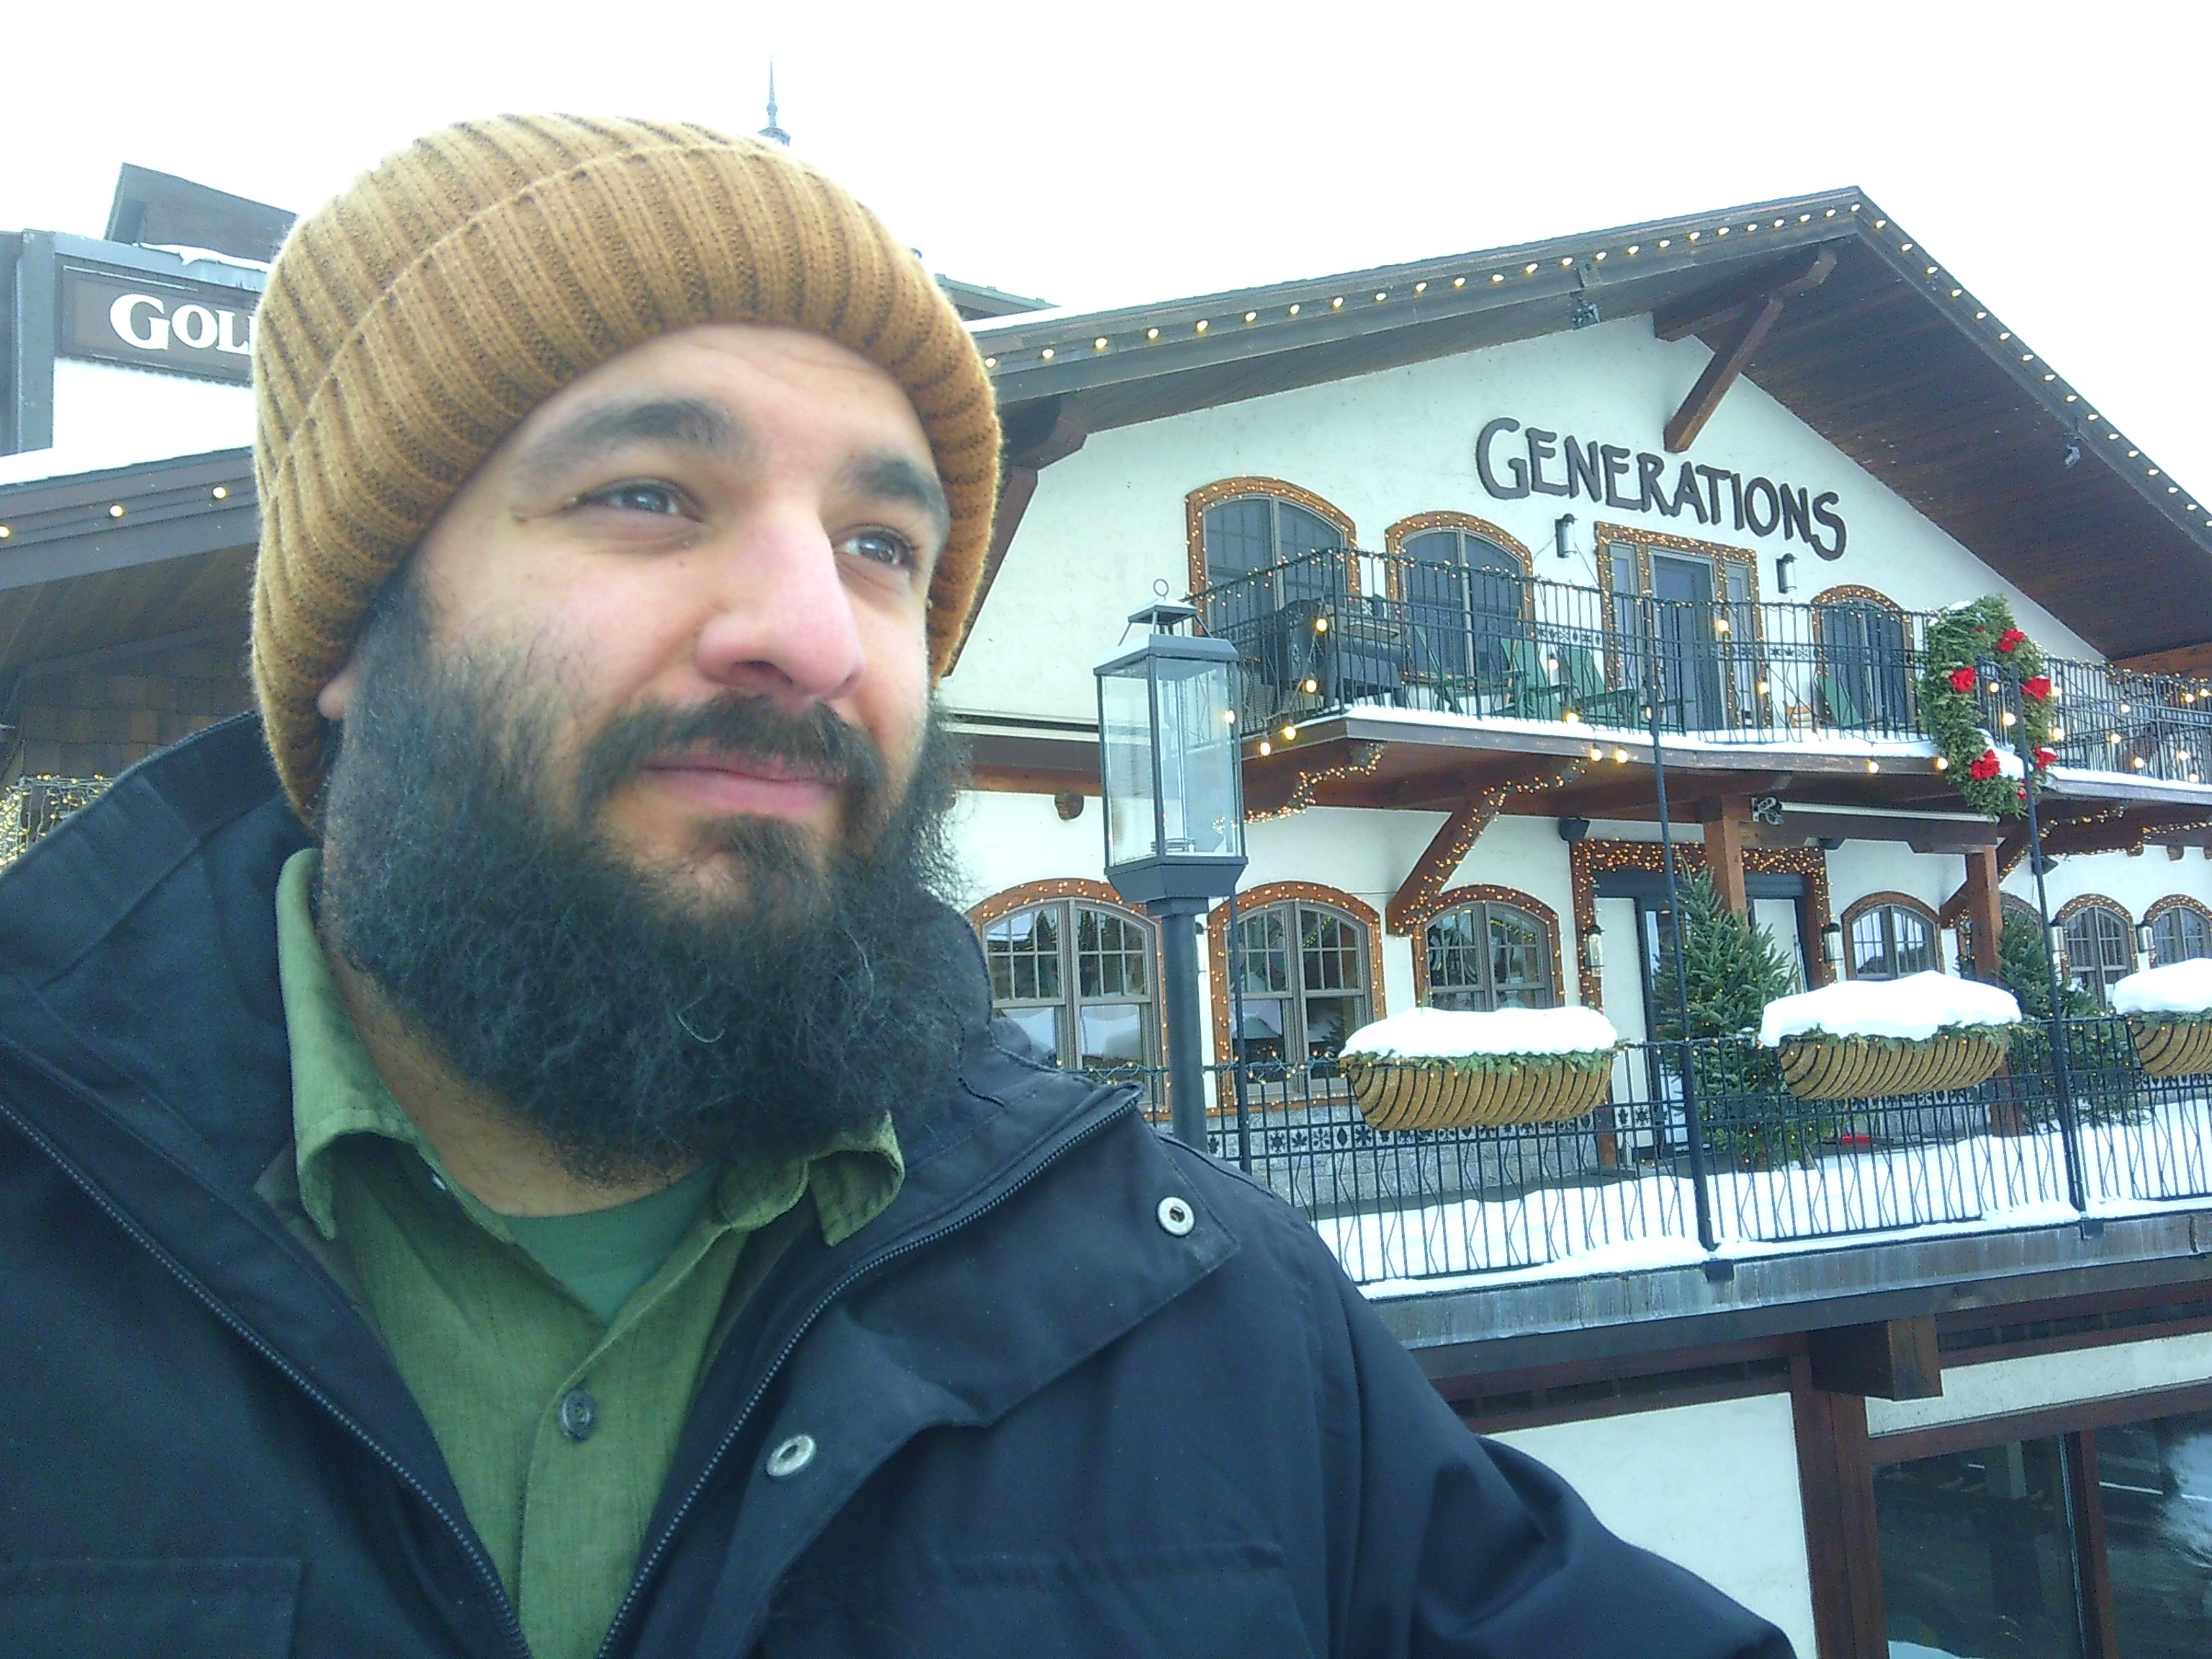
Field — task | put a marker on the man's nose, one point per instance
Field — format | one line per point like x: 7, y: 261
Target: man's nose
x: 781, y: 624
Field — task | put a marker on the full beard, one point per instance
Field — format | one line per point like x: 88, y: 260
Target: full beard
x: 643, y: 1022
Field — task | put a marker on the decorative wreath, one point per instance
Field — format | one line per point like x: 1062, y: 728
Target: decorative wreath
x: 1961, y: 642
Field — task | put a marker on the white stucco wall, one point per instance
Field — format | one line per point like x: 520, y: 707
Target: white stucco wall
x: 2000, y: 1387
x: 1109, y: 521
x: 1713, y: 1487
x: 107, y: 415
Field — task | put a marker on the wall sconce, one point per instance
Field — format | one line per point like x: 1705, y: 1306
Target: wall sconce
x: 1573, y: 830
x: 1594, y: 948
x: 1560, y: 539
x: 1783, y: 564
x: 2143, y: 940
x: 1832, y: 944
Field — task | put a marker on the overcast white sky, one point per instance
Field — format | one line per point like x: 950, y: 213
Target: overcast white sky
x: 2055, y: 157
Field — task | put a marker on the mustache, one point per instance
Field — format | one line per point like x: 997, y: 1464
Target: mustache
x: 816, y: 742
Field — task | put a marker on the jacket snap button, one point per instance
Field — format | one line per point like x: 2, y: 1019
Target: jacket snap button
x: 792, y: 1456
x: 1175, y: 1217
x: 579, y: 1414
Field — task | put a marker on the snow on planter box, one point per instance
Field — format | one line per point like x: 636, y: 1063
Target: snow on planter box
x: 1431, y: 1068
x: 1861, y: 1039
x: 2169, y: 1013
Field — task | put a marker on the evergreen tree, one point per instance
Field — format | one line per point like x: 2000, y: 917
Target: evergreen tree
x: 1735, y: 968
x: 2025, y: 972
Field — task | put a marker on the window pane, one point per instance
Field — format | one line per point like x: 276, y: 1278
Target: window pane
x: 1263, y: 956
x: 1261, y: 1034
x: 1914, y: 950
x: 1330, y: 1021
x: 1110, y: 955
x: 2155, y: 1480
x: 1870, y: 951
x: 2178, y: 935
x: 1329, y: 947
x: 1976, y: 1554
x: 1112, y: 1034
x: 1520, y: 958
x: 1304, y: 532
x: 1455, y: 958
x: 1042, y: 1026
x: 1237, y: 534
x: 1023, y: 953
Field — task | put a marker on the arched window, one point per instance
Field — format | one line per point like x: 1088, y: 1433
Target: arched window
x: 1262, y: 542
x: 1489, y: 948
x: 1076, y: 973
x: 1865, y: 665
x: 2180, y: 930
x: 2101, y: 946
x: 1305, y: 969
x: 1887, y: 936
x: 1464, y: 585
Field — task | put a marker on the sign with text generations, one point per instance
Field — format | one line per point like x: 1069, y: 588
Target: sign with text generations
x: 1516, y: 461
x: 111, y: 316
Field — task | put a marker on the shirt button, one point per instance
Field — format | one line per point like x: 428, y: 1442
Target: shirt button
x: 579, y: 1413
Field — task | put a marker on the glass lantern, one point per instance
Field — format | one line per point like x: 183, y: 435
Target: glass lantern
x: 1170, y: 763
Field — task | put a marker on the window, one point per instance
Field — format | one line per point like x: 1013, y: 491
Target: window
x: 2178, y: 933
x: 1078, y: 978
x: 1255, y: 532
x: 1865, y: 671
x: 1889, y: 940
x: 1465, y: 595
x: 1490, y: 955
x: 2100, y: 948
x: 2154, y: 1485
x: 1302, y: 969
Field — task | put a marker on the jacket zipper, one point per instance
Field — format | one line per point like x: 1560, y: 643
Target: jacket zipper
x: 658, y: 1551
x: 511, y: 1622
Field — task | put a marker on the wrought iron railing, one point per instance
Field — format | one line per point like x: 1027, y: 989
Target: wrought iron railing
x: 1325, y: 632
x: 29, y: 807
x: 1617, y: 1188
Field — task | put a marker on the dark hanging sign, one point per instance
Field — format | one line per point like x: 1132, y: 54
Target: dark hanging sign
x: 1515, y: 461
x: 114, y: 316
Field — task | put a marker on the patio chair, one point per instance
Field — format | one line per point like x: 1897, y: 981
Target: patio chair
x: 1589, y: 694
x: 1840, y: 706
x: 1531, y: 692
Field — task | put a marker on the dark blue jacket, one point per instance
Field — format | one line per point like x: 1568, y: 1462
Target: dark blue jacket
x: 1046, y: 1423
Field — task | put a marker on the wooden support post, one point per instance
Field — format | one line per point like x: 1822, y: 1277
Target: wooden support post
x: 1843, y: 1546
x: 2092, y: 1566
x: 1724, y: 825
x: 1890, y: 1359
x: 1986, y: 910
x: 1409, y: 908
x: 1758, y: 315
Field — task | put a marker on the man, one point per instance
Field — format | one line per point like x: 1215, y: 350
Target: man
x: 532, y: 1170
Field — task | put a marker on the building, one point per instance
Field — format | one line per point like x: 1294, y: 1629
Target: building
x: 1929, y: 1373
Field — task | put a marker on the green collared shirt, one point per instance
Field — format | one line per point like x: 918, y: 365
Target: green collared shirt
x: 554, y: 1358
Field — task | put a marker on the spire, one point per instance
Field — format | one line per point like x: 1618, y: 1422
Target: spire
x: 773, y: 133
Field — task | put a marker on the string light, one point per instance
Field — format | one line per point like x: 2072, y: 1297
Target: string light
x: 1200, y: 329
x: 221, y: 492
x: 1942, y: 764
x: 1046, y: 353
x: 1152, y: 334
x: 115, y: 511
x: 992, y: 363
x: 1620, y: 758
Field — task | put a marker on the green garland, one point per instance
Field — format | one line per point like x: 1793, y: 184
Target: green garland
x: 1999, y: 1035
x: 1961, y: 641
x: 1576, y: 1059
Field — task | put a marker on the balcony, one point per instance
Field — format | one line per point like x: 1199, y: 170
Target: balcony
x: 30, y: 807
x: 1328, y: 633
x: 1617, y: 1190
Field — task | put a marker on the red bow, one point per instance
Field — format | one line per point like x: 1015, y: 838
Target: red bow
x: 2044, y: 756
x: 1962, y: 679
x: 2010, y: 639
x: 2036, y: 686
x: 1984, y: 765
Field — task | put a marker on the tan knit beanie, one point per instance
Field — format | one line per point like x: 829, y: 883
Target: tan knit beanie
x: 410, y: 325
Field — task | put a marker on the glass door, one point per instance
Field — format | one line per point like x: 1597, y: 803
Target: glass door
x: 1683, y: 594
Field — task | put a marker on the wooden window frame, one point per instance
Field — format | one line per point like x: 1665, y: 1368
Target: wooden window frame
x: 1228, y: 490
x: 2167, y: 906
x: 1859, y: 907
x: 1078, y: 889
x: 2081, y: 902
x: 1278, y: 893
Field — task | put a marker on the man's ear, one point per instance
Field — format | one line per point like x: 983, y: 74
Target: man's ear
x: 332, y: 700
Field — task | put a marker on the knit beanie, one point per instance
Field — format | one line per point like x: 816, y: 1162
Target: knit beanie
x: 413, y: 322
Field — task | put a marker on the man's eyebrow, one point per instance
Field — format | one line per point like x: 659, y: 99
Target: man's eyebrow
x: 685, y: 423
x: 888, y: 476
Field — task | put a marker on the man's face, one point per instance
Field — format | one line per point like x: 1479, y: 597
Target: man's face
x: 730, y: 514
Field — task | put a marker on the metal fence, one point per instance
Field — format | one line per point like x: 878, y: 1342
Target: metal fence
x: 29, y: 807
x: 1327, y: 631
x: 1618, y: 1186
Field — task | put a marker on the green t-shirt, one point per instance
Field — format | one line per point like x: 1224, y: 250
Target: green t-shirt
x: 555, y: 1358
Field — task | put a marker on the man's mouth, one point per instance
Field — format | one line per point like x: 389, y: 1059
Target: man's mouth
x: 747, y: 784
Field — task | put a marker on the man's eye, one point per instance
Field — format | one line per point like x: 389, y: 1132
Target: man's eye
x: 885, y: 547
x: 658, y: 499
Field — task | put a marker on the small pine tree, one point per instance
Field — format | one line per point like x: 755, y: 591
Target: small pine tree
x: 2026, y: 973
x: 1735, y: 968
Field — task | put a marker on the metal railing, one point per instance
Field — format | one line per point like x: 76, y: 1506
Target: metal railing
x: 1616, y: 1188
x: 29, y: 807
x: 1328, y: 631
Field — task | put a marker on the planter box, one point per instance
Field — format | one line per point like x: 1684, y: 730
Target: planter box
x: 1542, y: 1089
x: 1816, y: 1068
x: 2172, y: 1047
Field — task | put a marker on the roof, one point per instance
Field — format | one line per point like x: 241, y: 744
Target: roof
x: 1892, y: 359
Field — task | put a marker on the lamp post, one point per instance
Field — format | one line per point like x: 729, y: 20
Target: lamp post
x: 1169, y: 764
x: 2029, y: 787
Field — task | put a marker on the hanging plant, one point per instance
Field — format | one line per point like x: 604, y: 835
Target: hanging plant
x: 1990, y: 774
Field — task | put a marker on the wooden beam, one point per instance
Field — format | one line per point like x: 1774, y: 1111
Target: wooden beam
x: 1730, y: 361
x: 1924, y: 835
x: 1725, y: 819
x: 1835, y: 1477
x: 1711, y: 306
x: 1409, y: 907
x: 2180, y: 659
x: 1889, y: 1359
x: 1986, y: 905
x: 2008, y: 853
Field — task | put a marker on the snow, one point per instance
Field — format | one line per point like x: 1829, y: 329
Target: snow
x: 2179, y: 987
x: 1915, y: 1007
x: 2008, y: 762
x: 1440, y: 1034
